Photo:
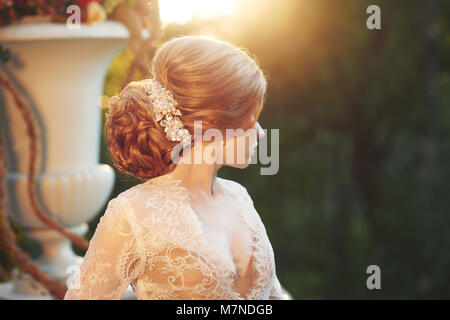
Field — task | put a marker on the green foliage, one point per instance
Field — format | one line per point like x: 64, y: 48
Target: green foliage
x: 25, y: 242
x: 116, y: 72
x: 5, y: 54
x: 7, y: 262
x: 364, y: 142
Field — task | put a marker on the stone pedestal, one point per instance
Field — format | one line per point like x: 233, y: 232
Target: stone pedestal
x: 60, y: 74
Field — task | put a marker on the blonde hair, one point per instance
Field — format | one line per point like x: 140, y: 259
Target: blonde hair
x: 211, y: 80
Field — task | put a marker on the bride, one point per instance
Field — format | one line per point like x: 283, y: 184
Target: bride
x: 183, y: 233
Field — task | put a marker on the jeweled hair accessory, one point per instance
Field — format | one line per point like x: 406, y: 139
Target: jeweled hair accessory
x: 165, y: 111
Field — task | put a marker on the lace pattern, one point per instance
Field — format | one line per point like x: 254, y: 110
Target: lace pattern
x: 150, y: 237
x: 113, y: 259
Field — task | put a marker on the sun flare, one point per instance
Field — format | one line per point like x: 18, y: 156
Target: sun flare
x: 182, y: 11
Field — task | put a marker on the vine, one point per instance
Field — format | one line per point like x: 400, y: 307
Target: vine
x: 11, y: 255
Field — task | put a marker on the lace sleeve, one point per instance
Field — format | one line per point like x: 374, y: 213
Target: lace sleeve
x: 278, y: 292
x: 113, y: 259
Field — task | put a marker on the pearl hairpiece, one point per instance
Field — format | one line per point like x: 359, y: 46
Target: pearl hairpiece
x: 165, y: 111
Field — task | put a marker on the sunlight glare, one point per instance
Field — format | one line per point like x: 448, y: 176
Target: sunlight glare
x: 182, y: 11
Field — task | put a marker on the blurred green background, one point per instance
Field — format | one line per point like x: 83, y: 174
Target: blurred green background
x: 364, y: 123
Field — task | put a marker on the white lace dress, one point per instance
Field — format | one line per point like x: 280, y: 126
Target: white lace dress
x: 151, y: 238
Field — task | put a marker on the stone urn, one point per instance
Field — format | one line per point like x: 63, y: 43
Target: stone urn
x: 60, y: 73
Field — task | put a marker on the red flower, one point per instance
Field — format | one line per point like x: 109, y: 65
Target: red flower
x: 84, y: 3
x: 12, y: 14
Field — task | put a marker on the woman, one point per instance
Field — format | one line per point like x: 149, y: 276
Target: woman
x: 184, y: 233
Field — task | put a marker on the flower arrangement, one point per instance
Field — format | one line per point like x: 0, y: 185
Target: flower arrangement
x: 136, y: 15
x: 92, y: 11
